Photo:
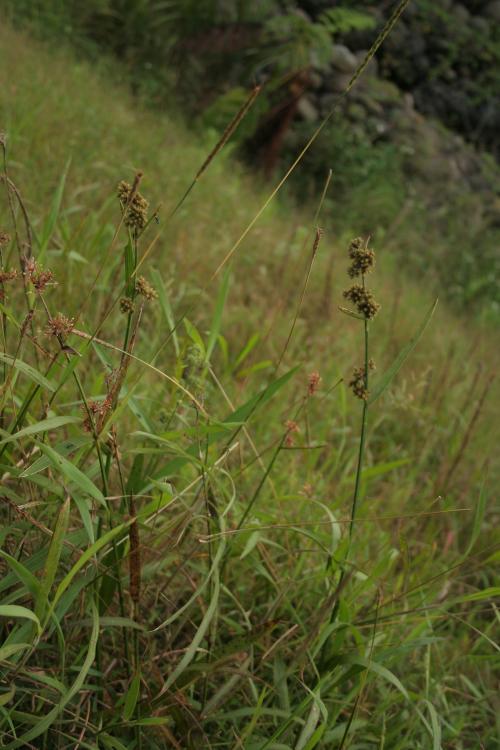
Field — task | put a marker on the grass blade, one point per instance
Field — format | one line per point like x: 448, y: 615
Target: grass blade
x: 403, y: 355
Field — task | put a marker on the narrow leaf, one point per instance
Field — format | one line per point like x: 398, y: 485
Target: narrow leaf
x: 29, y: 371
x: 389, y: 374
x: 72, y: 473
x: 131, y: 697
x: 14, y: 611
x: 219, y: 309
x: 46, y: 424
x: 53, y: 557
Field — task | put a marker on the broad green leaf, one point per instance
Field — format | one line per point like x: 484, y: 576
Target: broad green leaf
x: 252, y: 541
x: 132, y: 696
x: 65, y: 448
x: 111, y: 742
x: 73, y: 474
x: 53, y: 557
x: 14, y: 611
x: 194, y: 335
x: 251, y: 343
x: 29, y: 371
x: 384, y: 381
x: 44, y: 723
x: 309, y: 727
x: 12, y: 648
x: 26, y: 576
x: 86, y: 556
x: 478, y: 596
x: 152, y: 721
x: 44, y: 426
x: 7, y: 697
x: 83, y: 509
x: 379, y: 469
x: 435, y: 726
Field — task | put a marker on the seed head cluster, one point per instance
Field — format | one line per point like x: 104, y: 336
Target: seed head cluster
x: 39, y: 277
x: 144, y: 288
x: 134, y: 205
x: 7, y: 275
x: 362, y: 262
x: 94, y: 412
x: 313, y: 383
x: 363, y: 259
x: 358, y: 381
x: 60, y: 326
x: 127, y: 305
x: 291, y: 428
x: 363, y: 299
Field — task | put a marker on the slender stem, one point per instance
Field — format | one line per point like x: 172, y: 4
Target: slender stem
x: 362, y: 440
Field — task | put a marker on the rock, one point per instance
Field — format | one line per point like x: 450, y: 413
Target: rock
x: 492, y: 10
x: 480, y: 24
x: 370, y: 105
x: 306, y: 109
x: 460, y: 13
x: 315, y: 80
x: 343, y: 59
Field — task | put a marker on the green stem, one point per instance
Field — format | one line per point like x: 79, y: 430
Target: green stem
x: 362, y: 440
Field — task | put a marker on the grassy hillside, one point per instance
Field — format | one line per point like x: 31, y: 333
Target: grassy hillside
x: 195, y: 555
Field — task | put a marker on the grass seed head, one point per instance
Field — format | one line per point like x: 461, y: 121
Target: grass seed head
x: 39, y: 277
x: 144, y: 288
x: 291, y: 428
x: 60, y: 326
x: 127, y: 305
x: 134, y: 205
x: 313, y: 383
x: 363, y: 299
x: 358, y: 383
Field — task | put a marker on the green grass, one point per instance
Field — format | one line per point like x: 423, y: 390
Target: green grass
x: 181, y: 575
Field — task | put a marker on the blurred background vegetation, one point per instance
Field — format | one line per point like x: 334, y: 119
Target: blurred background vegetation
x: 413, y: 147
